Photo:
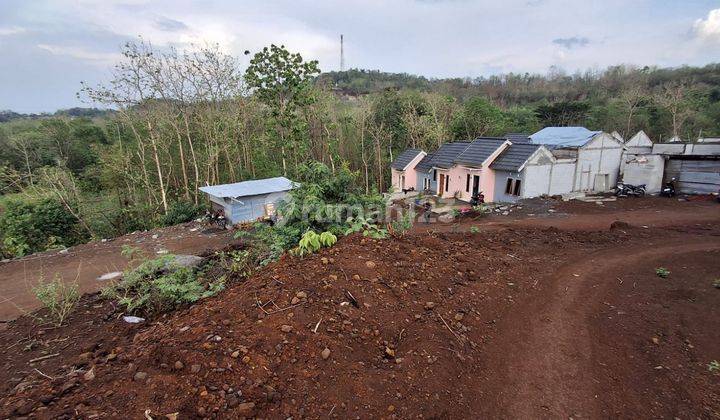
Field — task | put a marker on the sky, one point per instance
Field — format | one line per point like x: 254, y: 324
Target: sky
x: 47, y: 47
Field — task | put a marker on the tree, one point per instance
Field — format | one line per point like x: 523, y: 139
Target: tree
x: 282, y: 81
x: 563, y: 114
x: 478, y: 117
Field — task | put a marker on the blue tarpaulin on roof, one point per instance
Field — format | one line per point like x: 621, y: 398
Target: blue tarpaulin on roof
x: 254, y: 187
x: 563, y: 136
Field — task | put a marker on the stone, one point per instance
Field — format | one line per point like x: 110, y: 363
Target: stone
x: 389, y: 352
x: 656, y: 340
x: 90, y: 374
x: 140, y: 376
x: 195, y: 368
x: 324, y: 260
x: 301, y: 295
x: 235, y: 354
x: 370, y: 264
x: 459, y: 316
x: 325, y: 353
x: 286, y: 328
x: 245, y: 409
x: 429, y: 305
x: 179, y: 365
x: 295, y: 300
x: 184, y: 261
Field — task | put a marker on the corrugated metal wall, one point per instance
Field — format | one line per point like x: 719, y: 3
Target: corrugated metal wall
x: 694, y: 176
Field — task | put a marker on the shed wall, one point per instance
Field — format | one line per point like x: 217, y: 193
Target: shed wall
x: 645, y: 169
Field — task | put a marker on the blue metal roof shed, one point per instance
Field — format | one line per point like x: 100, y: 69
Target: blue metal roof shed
x: 559, y: 137
x: 249, y: 200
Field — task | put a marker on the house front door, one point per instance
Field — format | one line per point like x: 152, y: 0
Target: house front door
x: 476, y: 184
x: 441, y: 184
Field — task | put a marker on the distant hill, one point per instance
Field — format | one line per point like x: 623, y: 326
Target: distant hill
x: 8, y: 115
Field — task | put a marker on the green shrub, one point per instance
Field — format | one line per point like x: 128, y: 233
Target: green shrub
x: 159, y: 285
x: 401, y: 226
x: 714, y: 366
x: 662, y: 272
x: 180, y: 212
x: 474, y: 229
x: 58, y: 297
x: 32, y: 226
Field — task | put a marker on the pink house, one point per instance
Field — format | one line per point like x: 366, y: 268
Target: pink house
x: 402, y: 170
x: 465, y: 169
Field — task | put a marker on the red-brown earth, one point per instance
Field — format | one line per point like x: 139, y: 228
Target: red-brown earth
x: 519, y: 320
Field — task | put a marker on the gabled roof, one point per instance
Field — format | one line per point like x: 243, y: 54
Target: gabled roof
x: 514, y: 157
x: 404, y: 159
x: 479, y: 150
x: 518, y: 137
x: 425, y: 163
x: 639, y: 140
x: 254, y: 187
x: 555, y: 137
x: 447, y: 153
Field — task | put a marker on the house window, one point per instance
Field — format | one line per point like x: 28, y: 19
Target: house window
x: 516, y: 190
x: 467, y: 183
x: 434, y: 174
x: 512, y: 187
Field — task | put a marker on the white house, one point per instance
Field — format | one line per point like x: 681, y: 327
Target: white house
x: 596, y: 156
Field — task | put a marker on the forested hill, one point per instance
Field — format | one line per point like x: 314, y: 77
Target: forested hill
x: 526, y: 88
x: 8, y: 115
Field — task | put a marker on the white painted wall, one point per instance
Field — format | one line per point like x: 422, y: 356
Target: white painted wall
x: 545, y: 174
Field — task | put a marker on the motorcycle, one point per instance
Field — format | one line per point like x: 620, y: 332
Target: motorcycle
x: 477, y: 199
x: 669, y: 189
x: 627, y: 190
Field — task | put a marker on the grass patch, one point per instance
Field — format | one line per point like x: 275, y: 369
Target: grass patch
x: 60, y: 298
x: 662, y: 272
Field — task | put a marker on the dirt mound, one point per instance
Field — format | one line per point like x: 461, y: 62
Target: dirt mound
x: 367, y: 328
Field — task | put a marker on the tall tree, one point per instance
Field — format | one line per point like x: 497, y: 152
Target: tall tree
x: 283, y: 82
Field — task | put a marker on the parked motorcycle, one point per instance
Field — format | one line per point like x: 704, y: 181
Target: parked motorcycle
x: 628, y: 190
x: 669, y: 189
x: 477, y: 199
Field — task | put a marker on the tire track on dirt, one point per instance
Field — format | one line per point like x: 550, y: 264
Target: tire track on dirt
x: 547, y: 364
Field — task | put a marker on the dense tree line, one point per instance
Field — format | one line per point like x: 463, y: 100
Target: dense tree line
x: 182, y: 120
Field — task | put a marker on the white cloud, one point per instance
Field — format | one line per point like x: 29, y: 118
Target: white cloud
x: 99, y: 58
x: 11, y: 30
x: 709, y: 28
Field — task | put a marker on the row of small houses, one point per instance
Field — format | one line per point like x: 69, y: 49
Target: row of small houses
x: 555, y: 161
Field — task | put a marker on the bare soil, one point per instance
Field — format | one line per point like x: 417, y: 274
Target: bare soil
x: 519, y: 320
x: 85, y: 263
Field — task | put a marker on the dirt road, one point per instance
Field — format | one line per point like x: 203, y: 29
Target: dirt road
x: 560, y: 340
x: 85, y: 263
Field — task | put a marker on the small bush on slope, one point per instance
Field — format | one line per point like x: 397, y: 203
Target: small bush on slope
x: 160, y: 285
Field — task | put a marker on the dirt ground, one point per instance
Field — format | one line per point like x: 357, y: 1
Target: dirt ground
x: 85, y: 263
x: 560, y: 314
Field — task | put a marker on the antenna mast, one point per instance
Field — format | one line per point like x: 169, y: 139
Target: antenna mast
x: 342, y: 54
